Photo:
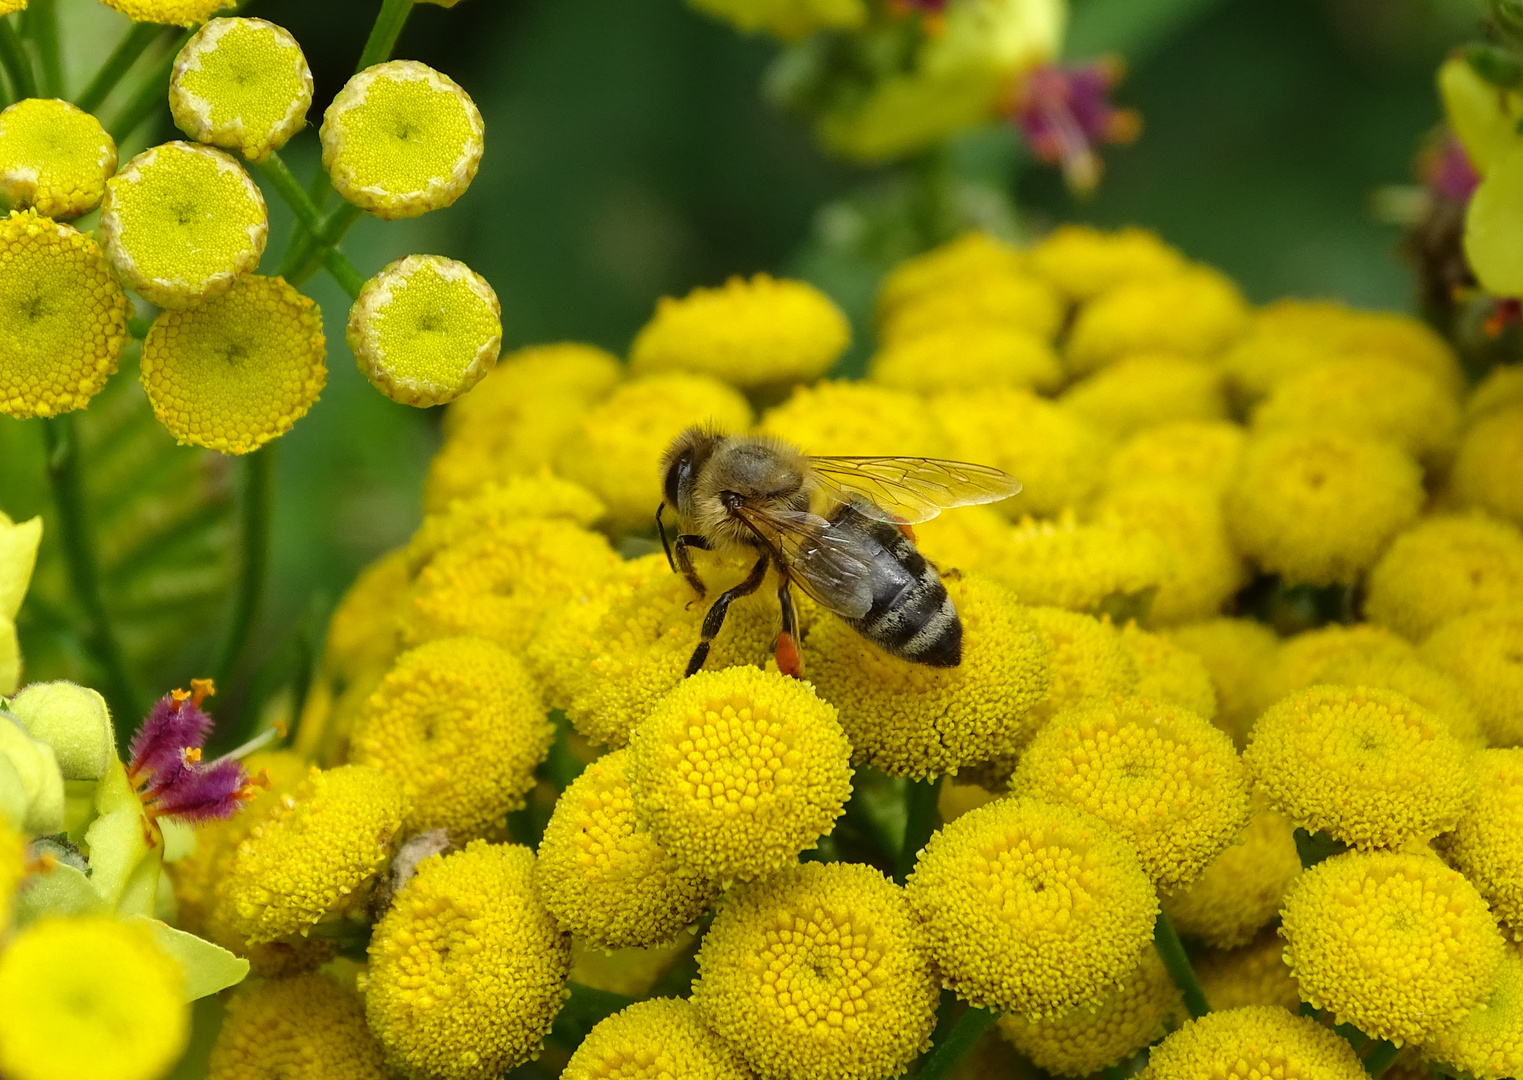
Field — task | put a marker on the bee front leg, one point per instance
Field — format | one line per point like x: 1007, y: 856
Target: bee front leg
x: 685, y: 561
x: 714, y: 620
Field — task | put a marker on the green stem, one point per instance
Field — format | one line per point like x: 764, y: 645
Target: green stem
x: 924, y: 817
x: 42, y: 28
x: 118, y: 64
x: 383, y: 35
x: 151, y: 95
x: 139, y: 327
x: 13, y: 58
x: 278, y: 173
x: 62, y: 441
x: 343, y: 272
x: 1172, y: 953
x: 256, y: 500
x: 1314, y: 847
x: 1380, y: 1058
x: 970, y: 1027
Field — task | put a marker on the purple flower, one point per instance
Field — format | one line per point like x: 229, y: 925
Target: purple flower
x: 1064, y: 112
x: 166, y: 766
x: 1446, y: 170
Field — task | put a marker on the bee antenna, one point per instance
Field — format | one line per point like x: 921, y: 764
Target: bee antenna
x: 665, y: 543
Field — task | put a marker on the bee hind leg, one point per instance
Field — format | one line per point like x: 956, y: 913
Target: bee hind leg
x: 714, y: 620
x: 789, y: 660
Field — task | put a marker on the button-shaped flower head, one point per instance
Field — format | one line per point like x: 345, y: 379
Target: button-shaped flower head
x: 1483, y: 650
x: 182, y: 222
x: 737, y: 771
x: 1253, y: 975
x: 401, y: 139
x: 1485, y: 468
x: 63, y: 317
x: 242, y: 84
x: 819, y: 970
x: 237, y: 370
x: 1250, y: 1043
x: 1444, y: 566
x: 660, y: 1039
x: 1488, y: 1043
x: 1201, y: 452
x: 1487, y: 846
x: 54, y: 158
x: 840, y: 416
x: 1196, y: 312
x: 307, y: 1026
x: 1397, y: 944
x: 425, y: 329
x: 1241, y: 889
x: 467, y: 969
x: 1084, y: 261
x: 1090, y: 662
x: 172, y: 12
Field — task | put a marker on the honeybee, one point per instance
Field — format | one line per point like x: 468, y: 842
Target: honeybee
x: 837, y: 527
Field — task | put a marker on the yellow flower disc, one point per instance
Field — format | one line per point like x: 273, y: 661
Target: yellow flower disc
x: 819, y: 970
x: 401, y: 139
x: 459, y: 724
x: 1168, y: 673
x: 234, y: 371
x: 1086, y: 1040
x: 1300, y: 660
x: 841, y: 417
x: 171, y: 12
x: 1445, y: 566
x: 1016, y: 301
x: 1205, y: 452
x: 1435, y: 691
x: 1320, y: 506
x: 303, y: 1028
x: 63, y: 317
x: 7, y: 7
x: 660, y: 1039
x: 757, y: 333
x: 1486, y: 468
x: 1251, y: 1044
x: 1090, y: 662
x: 973, y: 538
x: 1162, y: 778
x: 1032, y: 908
x: 54, y: 158
x: 1397, y: 944
x: 1255, y: 974
x: 1095, y: 568
x: 1488, y: 1043
x: 1484, y: 652
x: 737, y: 771
x: 917, y: 721
x: 467, y: 969
x: 314, y: 853
x: 89, y: 996
x: 1370, y: 767
x: 973, y: 256
x: 1196, y: 312
x: 1487, y: 845
x: 181, y: 223
x: 498, y: 506
x: 1235, y: 652
x: 601, y: 873
x: 967, y: 357
x: 1084, y: 261
x: 1500, y: 389
x: 1241, y: 889
x: 1146, y: 390
x: 425, y: 329
x: 242, y: 84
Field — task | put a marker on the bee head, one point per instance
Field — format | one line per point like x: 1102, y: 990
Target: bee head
x: 681, y: 463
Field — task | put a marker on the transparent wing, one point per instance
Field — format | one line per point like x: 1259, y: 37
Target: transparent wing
x: 910, y: 489
x: 826, y: 562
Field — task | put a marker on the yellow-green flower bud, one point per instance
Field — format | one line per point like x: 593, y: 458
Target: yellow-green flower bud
x: 171, y: 12
x: 401, y: 139
x: 18, y: 554
x: 54, y: 158
x: 13, y: 800
x: 181, y: 222
x: 243, y: 84
x: 425, y: 330
x: 40, y: 779
x: 1484, y: 118
x: 74, y: 721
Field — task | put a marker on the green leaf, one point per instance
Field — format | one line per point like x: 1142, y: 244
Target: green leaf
x: 207, y: 967
x: 124, y: 864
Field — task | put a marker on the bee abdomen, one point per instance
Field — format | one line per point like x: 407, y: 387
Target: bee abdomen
x: 912, y: 617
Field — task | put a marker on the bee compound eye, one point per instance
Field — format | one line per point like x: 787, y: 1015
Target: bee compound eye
x: 677, y: 476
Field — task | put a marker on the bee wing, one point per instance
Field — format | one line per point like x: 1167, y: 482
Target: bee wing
x: 909, y: 489
x: 822, y: 559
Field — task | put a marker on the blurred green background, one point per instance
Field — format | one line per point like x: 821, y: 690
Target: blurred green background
x: 630, y: 155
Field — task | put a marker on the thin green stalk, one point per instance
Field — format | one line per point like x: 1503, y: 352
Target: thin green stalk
x: 1172, y: 953
x: 335, y: 226
x: 278, y: 173
x: 119, y: 63
x: 13, y: 58
x: 922, y: 798
x: 383, y: 35
x: 970, y: 1027
x: 256, y: 500
x: 42, y: 28
x: 150, y: 97
x: 77, y: 538
x: 343, y: 271
x: 1380, y: 1058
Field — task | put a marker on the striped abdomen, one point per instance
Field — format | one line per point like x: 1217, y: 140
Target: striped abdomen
x: 912, y: 616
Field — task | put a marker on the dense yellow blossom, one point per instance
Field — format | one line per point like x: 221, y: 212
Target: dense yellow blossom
x: 303, y: 1028
x: 1016, y: 301
x: 967, y: 356
x: 1319, y: 506
x: 1397, y: 944
x: 735, y: 772
x: 1146, y: 390
x: 401, y: 139
x: 1097, y: 568
x: 1058, y: 456
x: 1235, y: 652
x: 659, y: 1039
x: 467, y: 969
x: 1160, y: 777
x: 1484, y: 652
x: 242, y: 84
x: 971, y: 538
x: 1300, y: 660
x: 89, y: 996
x: 459, y: 724
x: 173, y: 12
x: 1168, y: 673
x: 917, y: 721
x: 1255, y: 974
x: 1086, y: 1040
x: 1488, y: 1043
x: 1085, y: 261
x: 1199, y: 451
x: 752, y: 333
x: 614, y: 450
x: 1195, y: 312
x: 970, y: 257
x: 236, y: 370
x: 629, y: 971
x: 1090, y: 662
x: 1487, y: 844
x: 1445, y: 566
x: 1032, y: 908
x: 313, y: 853
x: 64, y: 321
x: 1370, y: 767
x: 1241, y: 889
x: 497, y: 506
x: 1486, y: 468
x: 839, y: 417
x: 1501, y: 388
x: 1440, y: 694
x: 787, y: 19
x: 601, y: 872
x: 819, y: 970
x: 1251, y: 1044
x: 54, y: 158
x: 13, y: 845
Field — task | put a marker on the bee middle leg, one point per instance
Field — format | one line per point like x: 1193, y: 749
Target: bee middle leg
x: 714, y: 620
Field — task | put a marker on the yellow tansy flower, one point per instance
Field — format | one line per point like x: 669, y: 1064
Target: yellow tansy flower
x: 819, y: 970
x: 1485, y: 471
x: 1168, y: 673
x: 1300, y: 660
x: 660, y: 1039
x: 967, y: 356
x: 632, y: 972
x: 972, y: 256
x: 1435, y: 691
x: 64, y: 321
x: 234, y: 371
x: 601, y: 872
x: 425, y: 329
x: 1397, y: 944
x: 459, y: 724
x: 1095, y: 568
x: 182, y: 222
x: 1032, y: 908
x: 1016, y: 301
x: 1488, y: 1043
x: 54, y: 158
x: 973, y: 538
x: 303, y: 1028
x: 1200, y: 451
x: 173, y: 12
x: 1484, y: 652
x: 314, y: 853
x: 1196, y: 312
x: 1090, y: 662
x: 243, y: 84
x: 839, y: 417
x: 1445, y: 566
x: 89, y: 996
x: 787, y: 19
x: 7, y: 7
x: 499, y: 505
x: 751, y: 333
x: 1487, y: 844
x: 467, y: 969
x: 1500, y: 389
x: 1235, y: 652
x: 401, y: 139
x: 918, y: 721
x: 1241, y: 889
x: 735, y: 772
x: 1251, y: 1043
x: 1084, y: 261
x: 1146, y: 390
x: 1255, y: 974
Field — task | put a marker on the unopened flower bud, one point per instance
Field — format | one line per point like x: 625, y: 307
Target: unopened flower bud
x: 74, y: 720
